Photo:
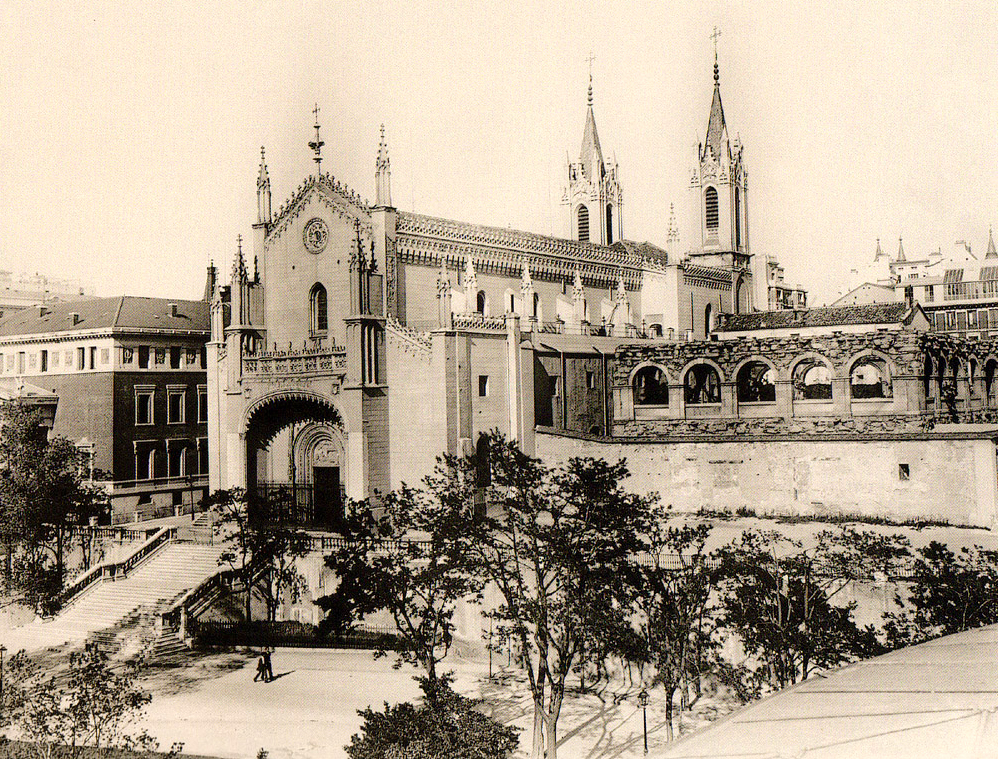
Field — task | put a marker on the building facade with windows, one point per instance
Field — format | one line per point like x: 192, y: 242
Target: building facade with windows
x: 129, y: 377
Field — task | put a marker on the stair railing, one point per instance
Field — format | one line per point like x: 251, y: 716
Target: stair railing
x: 116, y: 570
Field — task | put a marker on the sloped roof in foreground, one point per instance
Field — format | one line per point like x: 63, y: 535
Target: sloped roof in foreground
x: 938, y: 699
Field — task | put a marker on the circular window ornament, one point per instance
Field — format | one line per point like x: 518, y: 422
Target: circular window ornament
x: 315, y: 235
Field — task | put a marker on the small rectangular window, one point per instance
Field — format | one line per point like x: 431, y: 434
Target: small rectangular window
x: 590, y: 380
x: 43, y: 361
x: 55, y: 358
x: 81, y: 358
x: 143, y: 357
x: 93, y: 357
x: 143, y: 406
x: 904, y: 472
x: 202, y: 404
x: 175, y: 406
x: 175, y: 354
x: 22, y: 358
x: 483, y: 385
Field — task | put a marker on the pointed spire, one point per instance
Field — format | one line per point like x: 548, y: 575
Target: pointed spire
x: 383, y: 173
x: 316, y: 146
x: 578, y: 291
x: 716, y: 129
x: 263, y: 215
x: 591, y: 154
x: 672, y: 237
x: 901, y: 259
x: 526, y: 283
x: 992, y: 253
x: 470, y: 287
x: 239, y: 262
x: 879, y: 254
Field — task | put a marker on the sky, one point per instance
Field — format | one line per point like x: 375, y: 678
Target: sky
x: 130, y: 132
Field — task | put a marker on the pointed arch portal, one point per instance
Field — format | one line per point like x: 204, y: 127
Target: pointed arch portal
x: 308, y: 489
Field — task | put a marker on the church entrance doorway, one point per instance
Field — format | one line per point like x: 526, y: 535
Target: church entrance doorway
x: 327, y: 495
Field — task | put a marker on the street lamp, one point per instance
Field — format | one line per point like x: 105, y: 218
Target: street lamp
x: 643, y: 703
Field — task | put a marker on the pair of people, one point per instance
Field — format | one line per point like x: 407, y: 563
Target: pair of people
x: 264, y: 668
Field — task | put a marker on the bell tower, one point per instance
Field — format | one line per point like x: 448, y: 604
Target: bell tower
x: 593, y: 193
x: 720, y: 183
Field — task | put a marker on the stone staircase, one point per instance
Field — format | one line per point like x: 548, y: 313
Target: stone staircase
x: 121, y: 615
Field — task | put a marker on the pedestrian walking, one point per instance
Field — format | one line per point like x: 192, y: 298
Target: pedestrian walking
x: 261, y: 670
x: 268, y: 674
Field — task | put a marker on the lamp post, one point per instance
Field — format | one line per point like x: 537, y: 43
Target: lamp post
x: 643, y: 703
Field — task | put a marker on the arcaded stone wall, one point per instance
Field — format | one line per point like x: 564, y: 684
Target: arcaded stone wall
x: 947, y: 477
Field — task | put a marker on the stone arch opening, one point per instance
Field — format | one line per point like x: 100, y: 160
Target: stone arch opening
x: 812, y: 380
x: 990, y: 366
x: 702, y: 385
x: 870, y: 377
x: 756, y: 382
x: 295, y: 460
x: 651, y: 386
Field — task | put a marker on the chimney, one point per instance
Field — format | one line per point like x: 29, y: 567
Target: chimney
x: 75, y: 318
x: 43, y: 311
x: 173, y: 309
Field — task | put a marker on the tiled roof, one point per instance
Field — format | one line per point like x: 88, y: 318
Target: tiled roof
x: 873, y: 313
x: 124, y: 312
x: 645, y: 250
x: 433, y: 228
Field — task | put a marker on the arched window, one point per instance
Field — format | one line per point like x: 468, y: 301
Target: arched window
x: 537, y: 306
x: 927, y: 377
x: 584, y: 223
x: 870, y: 378
x: 812, y: 381
x: 708, y: 319
x: 318, y: 314
x: 651, y: 388
x: 738, y: 219
x: 755, y: 383
x: 703, y: 385
x: 480, y: 302
x: 710, y: 208
x: 609, y: 224
x: 655, y: 330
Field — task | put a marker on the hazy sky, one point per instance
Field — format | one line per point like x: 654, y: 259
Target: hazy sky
x: 130, y: 132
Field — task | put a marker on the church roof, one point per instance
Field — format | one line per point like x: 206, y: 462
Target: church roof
x: 872, y: 313
x: 646, y: 250
x: 123, y: 313
x: 500, y: 241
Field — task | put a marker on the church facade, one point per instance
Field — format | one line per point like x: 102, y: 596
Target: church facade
x: 361, y: 340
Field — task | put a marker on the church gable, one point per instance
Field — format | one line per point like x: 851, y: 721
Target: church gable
x: 339, y: 200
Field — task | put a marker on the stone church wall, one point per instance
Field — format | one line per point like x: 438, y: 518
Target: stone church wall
x: 416, y: 431
x: 946, y: 477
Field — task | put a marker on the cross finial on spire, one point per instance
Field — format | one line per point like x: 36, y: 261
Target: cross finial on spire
x: 714, y: 35
x: 316, y: 146
x: 590, y: 59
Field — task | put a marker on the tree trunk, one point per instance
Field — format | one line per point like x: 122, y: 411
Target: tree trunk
x: 670, y: 692
x: 551, y: 737
x: 537, y: 748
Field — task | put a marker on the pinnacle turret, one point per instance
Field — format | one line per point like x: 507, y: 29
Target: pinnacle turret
x: 263, y: 215
x: 383, y: 173
x: 992, y: 253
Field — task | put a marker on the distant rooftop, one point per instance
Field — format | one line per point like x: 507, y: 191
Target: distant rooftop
x: 123, y: 312
x: 873, y: 313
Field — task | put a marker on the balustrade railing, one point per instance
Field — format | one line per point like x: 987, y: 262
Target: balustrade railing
x: 306, y: 360
x: 114, y: 570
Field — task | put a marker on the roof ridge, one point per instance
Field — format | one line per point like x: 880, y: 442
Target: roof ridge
x: 117, y: 313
